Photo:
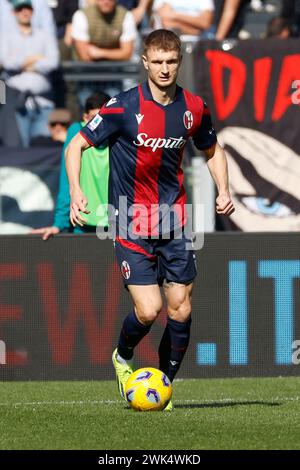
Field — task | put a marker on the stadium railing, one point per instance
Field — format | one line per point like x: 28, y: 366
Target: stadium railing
x: 101, y: 71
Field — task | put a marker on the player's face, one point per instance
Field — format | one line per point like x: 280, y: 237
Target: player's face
x: 162, y: 66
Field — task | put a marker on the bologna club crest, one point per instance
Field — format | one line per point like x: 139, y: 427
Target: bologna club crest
x: 125, y: 270
x: 188, y: 120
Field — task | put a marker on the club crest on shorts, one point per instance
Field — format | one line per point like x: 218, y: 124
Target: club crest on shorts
x: 188, y: 120
x: 125, y: 270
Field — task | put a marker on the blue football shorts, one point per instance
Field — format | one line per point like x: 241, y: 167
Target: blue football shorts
x: 146, y: 261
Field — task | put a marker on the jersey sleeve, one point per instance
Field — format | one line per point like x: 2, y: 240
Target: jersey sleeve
x: 105, y: 124
x: 205, y: 135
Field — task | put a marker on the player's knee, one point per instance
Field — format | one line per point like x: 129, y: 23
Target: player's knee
x: 148, y: 315
x: 181, y: 312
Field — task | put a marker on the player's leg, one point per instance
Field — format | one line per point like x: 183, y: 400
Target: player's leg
x: 147, y: 304
x: 139, y: 271
x: 177, y: 266
x: 176, y: 336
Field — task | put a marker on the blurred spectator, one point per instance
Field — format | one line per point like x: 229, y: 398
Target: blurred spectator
x: 190, y: 17
x: 229, y: 18
x: 93, y: 179
x: 139, y: 8
x: 278, y: 28
x: 104, y: 31
x: 63, y: 11
x: 291, y: 12
x: 42, y: 17
x: 29, y: 55
x: 58, y: 122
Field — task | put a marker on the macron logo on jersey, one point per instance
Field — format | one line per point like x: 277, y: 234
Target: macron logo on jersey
x: 158, y: 142
x: 139, y: 118
x: 111, y: 101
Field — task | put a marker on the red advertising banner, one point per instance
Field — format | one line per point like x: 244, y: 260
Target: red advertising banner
x: 62, y: 304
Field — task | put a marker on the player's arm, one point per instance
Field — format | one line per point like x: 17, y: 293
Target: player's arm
x: 108, y: 122
x: 205, y: 139
x: 217, y: 165
x: 78, y: 201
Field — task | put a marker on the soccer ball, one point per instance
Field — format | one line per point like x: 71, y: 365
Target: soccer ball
x: 148, y: 389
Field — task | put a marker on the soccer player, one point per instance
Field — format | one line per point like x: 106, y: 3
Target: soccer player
x: 148, y: 127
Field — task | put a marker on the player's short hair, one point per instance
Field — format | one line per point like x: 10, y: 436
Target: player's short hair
x: 163, y: 39
x: 95, y: 101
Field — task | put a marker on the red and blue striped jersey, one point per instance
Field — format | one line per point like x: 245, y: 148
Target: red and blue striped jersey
x: 147, y: 142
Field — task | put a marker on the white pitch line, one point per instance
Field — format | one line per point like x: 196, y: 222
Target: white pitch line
x: 78, y: 402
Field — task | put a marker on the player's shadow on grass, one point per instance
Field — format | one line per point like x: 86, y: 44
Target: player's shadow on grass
x: 225, y: 404
x: 219, y: 404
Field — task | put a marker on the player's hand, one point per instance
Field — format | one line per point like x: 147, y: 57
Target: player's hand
x: 46, y: 232
x: 78, y: 205
x: 224, y: 204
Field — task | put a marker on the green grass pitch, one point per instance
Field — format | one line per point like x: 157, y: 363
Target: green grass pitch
x: 209, y: 414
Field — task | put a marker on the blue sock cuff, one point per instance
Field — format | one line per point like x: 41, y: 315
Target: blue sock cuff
x: 132, y: 332
x: 134, y: 319
x: 178, y: 325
